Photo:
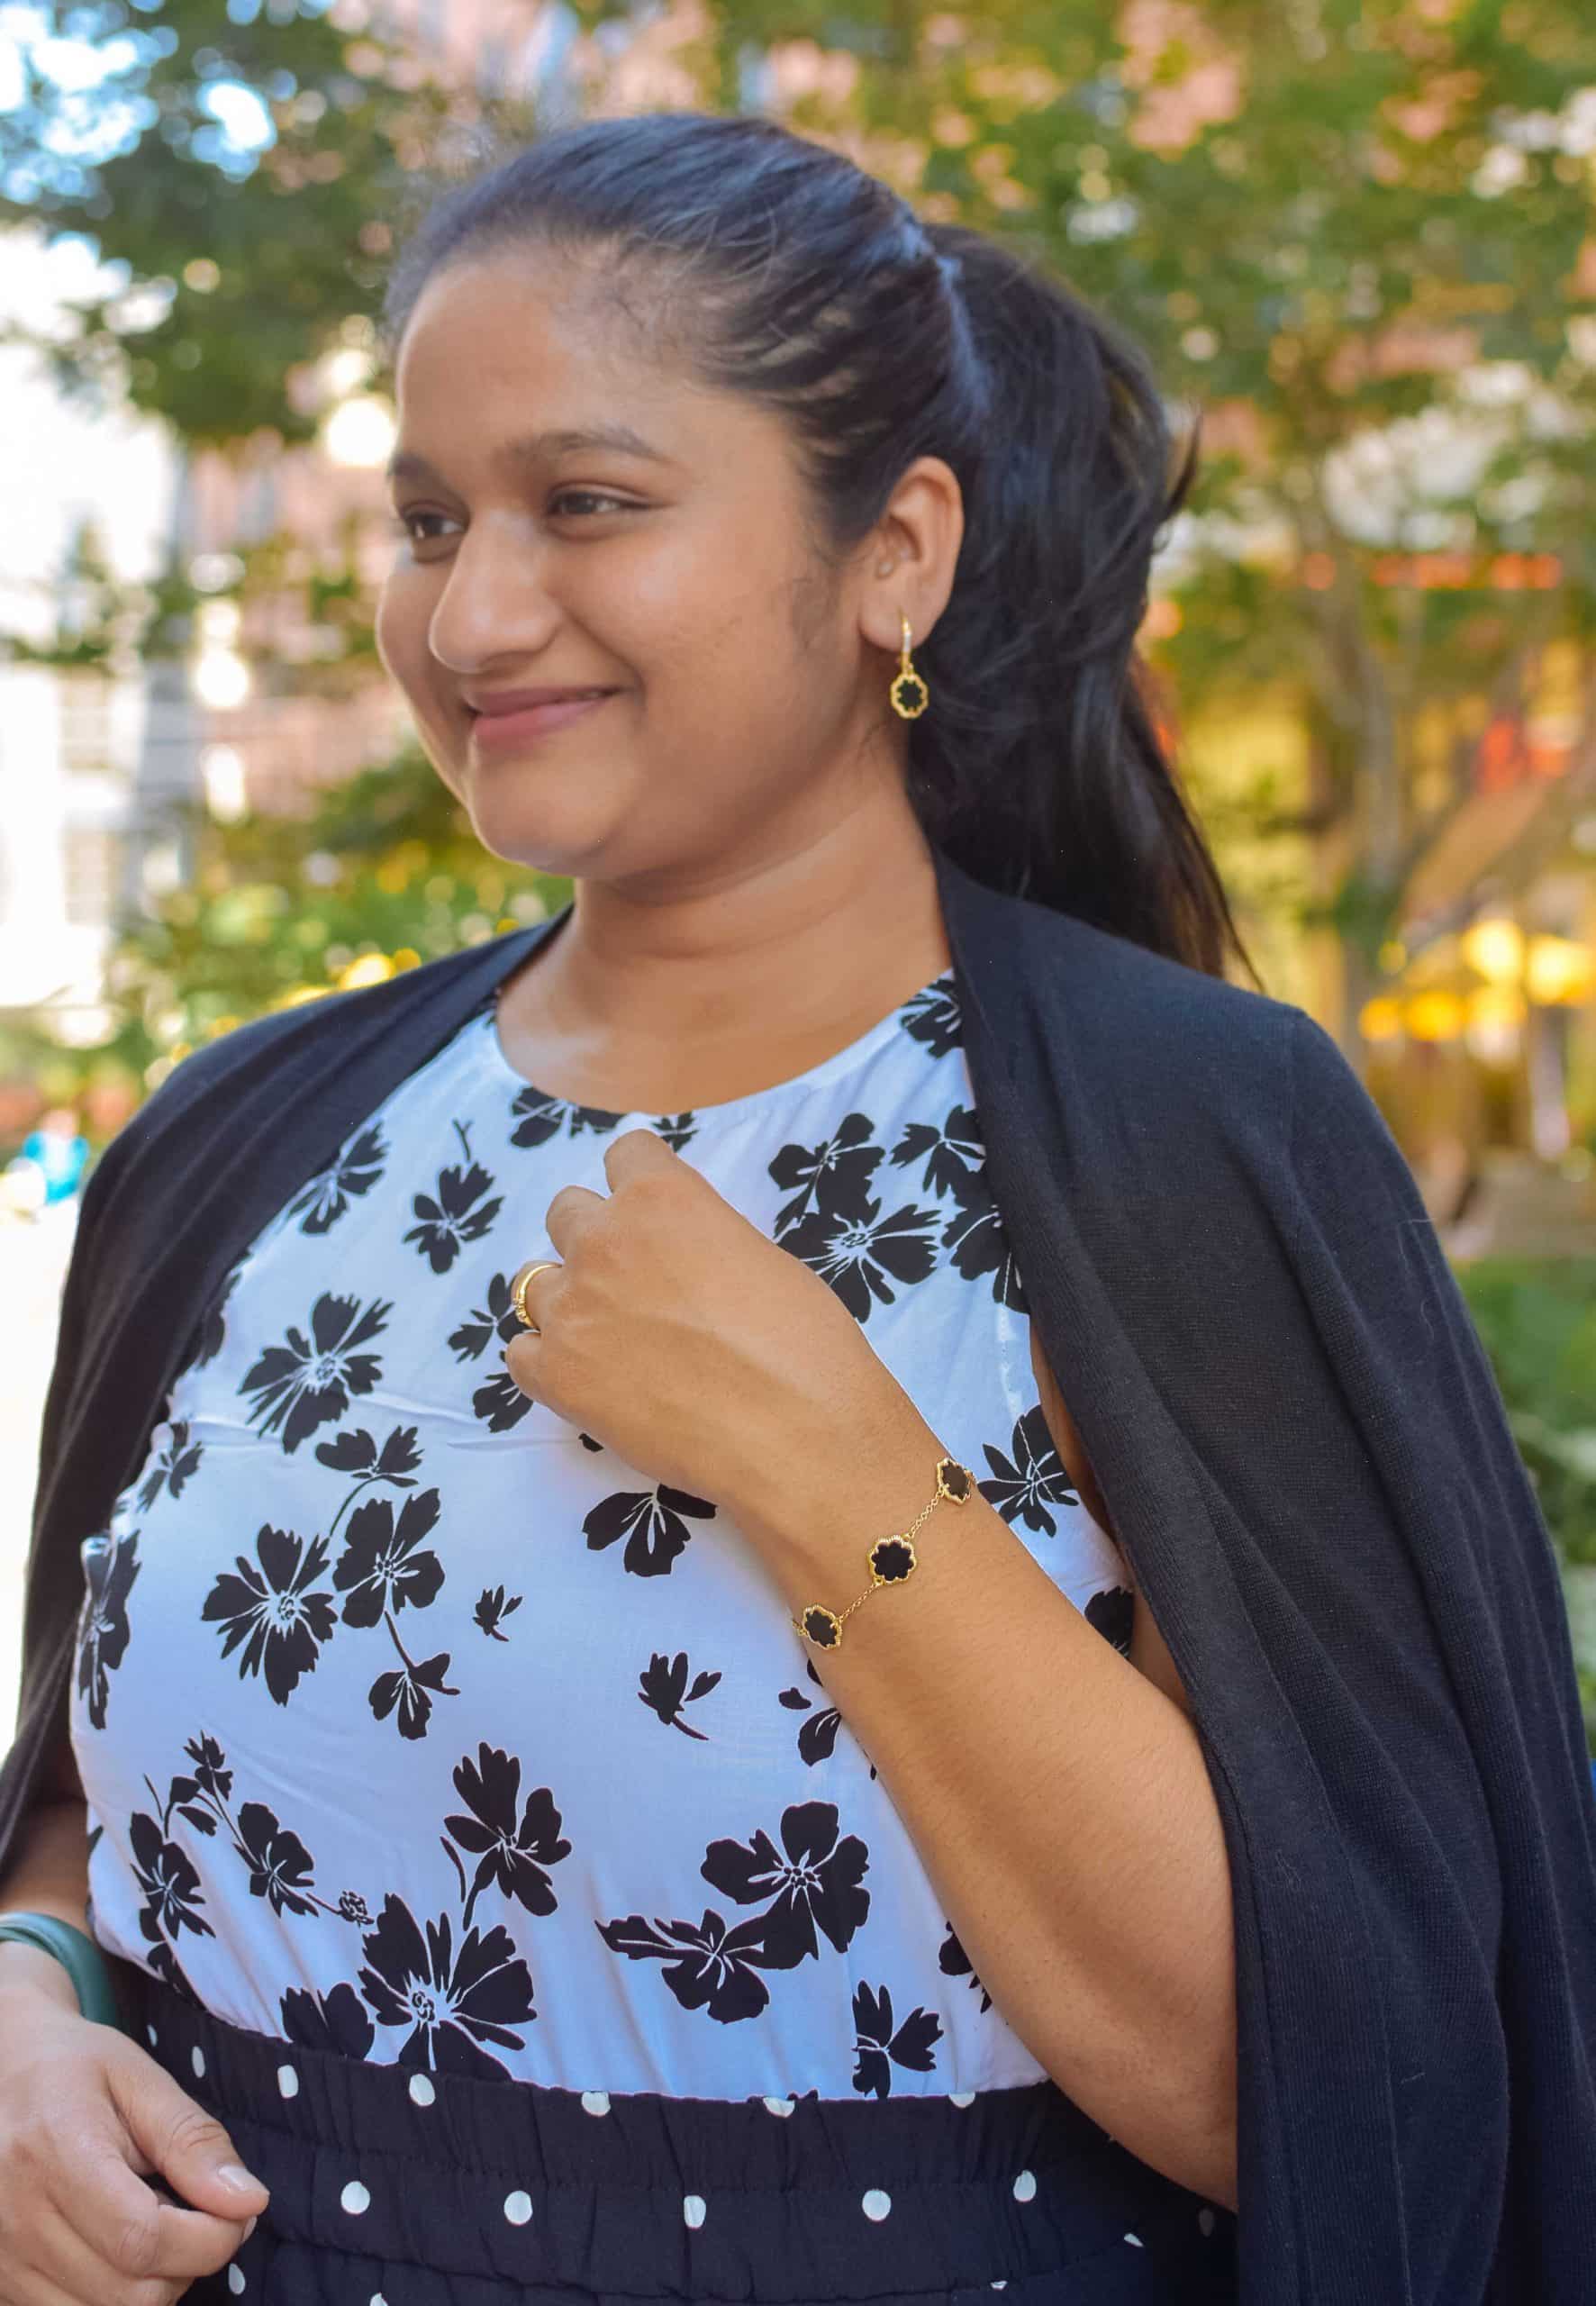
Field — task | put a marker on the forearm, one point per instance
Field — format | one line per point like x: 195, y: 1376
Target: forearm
x: 50, y: 1876
x: 1059, y: 1801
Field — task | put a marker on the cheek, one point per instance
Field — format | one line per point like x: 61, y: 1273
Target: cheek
x: 394, y: 629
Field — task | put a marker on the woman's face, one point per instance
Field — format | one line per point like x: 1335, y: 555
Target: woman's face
x: 748, y: 701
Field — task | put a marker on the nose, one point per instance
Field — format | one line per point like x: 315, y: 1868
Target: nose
x: 494, y: 602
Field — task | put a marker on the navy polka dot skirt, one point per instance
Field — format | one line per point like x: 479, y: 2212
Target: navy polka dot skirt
x: 395, y: 2187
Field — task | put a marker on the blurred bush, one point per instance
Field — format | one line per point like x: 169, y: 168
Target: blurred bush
x: 1538, y: 1322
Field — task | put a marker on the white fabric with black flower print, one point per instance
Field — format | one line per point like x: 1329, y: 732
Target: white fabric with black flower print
x: 416, y: 1725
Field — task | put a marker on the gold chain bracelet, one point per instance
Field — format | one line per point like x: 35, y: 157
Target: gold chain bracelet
x: 892, y: 1560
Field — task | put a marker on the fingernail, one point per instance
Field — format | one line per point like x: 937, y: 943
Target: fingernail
x: 234, y: 2175
x: 251, y: 2226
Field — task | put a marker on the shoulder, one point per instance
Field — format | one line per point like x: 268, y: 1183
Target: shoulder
x: 1149, y: 1085
x: 1143, y: 1033
x: 275, y: 1054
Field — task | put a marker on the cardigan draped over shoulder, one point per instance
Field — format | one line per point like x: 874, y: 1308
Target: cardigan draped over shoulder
x: 1305, y: 1458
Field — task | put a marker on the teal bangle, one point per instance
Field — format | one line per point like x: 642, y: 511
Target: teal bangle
x: 78, y: 1955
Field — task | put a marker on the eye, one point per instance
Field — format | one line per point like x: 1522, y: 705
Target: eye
x: 591, y: 496
x: 399, y: 525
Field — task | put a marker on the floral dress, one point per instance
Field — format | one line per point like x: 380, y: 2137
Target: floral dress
x: 429, y: 1747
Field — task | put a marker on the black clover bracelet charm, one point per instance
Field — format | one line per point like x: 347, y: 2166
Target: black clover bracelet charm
x: 892, y: 1560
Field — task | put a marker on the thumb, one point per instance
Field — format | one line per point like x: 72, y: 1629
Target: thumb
x: 190, y: 2147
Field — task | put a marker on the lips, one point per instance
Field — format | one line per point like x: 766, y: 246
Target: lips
x: 529, y: 700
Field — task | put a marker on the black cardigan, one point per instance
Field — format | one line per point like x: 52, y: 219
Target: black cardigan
x: 1305, y: 1458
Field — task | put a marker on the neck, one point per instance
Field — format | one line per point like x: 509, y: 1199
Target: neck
x: 842, y: 929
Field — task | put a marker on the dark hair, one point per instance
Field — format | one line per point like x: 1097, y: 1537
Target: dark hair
x: 786, y: 273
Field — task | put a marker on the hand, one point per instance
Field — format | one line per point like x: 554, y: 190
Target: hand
x: 678, y: 1335
x: 85, y: 2116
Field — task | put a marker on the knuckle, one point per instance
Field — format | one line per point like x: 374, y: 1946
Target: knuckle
x: 133, y: 2250
x: 194, y: 2131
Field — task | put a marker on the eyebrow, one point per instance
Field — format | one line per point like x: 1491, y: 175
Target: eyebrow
x: 405, y: 464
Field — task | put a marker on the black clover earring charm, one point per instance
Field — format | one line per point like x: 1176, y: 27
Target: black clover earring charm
x: 910, y: 693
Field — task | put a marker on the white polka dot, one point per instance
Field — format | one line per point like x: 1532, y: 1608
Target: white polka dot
x: 235, y: 2282
x: 876, y: 2204
x: 693, y: 2208
x: 961, y: 2097
x: 355, y: 2199
x: 1205, y: 2220
x: 779, y: 2105
x: 422, y: 2092
x: 518, y: 2208
x: 151, y: 2036
x: 1000, y: 2285
x: 287, y: 2082
x: 377, y: 2298
x: 1025, y: 2186
x: 595, y: 2101
x: 1137, y: 2239
x: 197, y: 2059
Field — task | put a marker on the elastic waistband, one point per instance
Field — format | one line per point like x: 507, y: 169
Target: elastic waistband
x: 635, y: 2196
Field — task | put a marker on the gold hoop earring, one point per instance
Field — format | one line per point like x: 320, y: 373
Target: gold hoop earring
x: 909, y: 692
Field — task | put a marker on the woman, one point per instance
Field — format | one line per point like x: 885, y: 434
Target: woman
x: 621, y: 1740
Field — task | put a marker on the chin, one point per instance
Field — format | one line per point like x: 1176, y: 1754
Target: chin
x: 539, y: 834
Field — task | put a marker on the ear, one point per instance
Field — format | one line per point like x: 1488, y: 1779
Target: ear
x: 913, y: 552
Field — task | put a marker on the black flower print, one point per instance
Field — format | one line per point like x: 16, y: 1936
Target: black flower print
x: 663, y: 1684
x: 654, y: 1524
x: 816, y: 1734
x: 854, y: 1251
x: 500, y: 1402
x: 335, y: 2022
x: 1024, y: 1486
x: 380, y: 1567
x: 353, y: 1907
x: 409, y: 1687
x: 975, y: 1239
x: 459, y: 1215
x: 954, y: 1963
x: 211, y: 1773
x: 541, y: 1119
x: 877, y: 2049
x: 174, y: 1466
x: 213, y: 1329
x: 817, y: 1883
x: 492, y: 1607
x: 110, y: 1567
x: 171, y: 1887
x: 932, y: 1017
x: 279, y: 1863
x: 950, y: 1154
x: 452, y: 2003
x: 678, y: 1130
x: 835, y: 1174
x: 357, y: 1453
x: 356, y: 1170
x: 1113, y: 1614
x: 273, y: 1610
x: 511, y: 1854
x: 706, y: 1965
x: 309, y: 1383
x: 280, y: 1866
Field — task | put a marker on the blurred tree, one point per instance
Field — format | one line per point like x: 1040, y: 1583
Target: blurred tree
x: 385, y: 873
x: 1358, y: 235
x: 248, y: 170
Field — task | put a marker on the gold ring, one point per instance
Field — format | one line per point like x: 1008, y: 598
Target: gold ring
x: 518, y: 1292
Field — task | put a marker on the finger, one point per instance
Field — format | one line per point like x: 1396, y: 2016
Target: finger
x: 69, y: 2269
x: 123, y: 2229
x: 188, y: 2145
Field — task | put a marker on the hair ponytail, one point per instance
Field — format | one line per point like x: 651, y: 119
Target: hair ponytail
x: 783, y: 272
x: 1047, y: 702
